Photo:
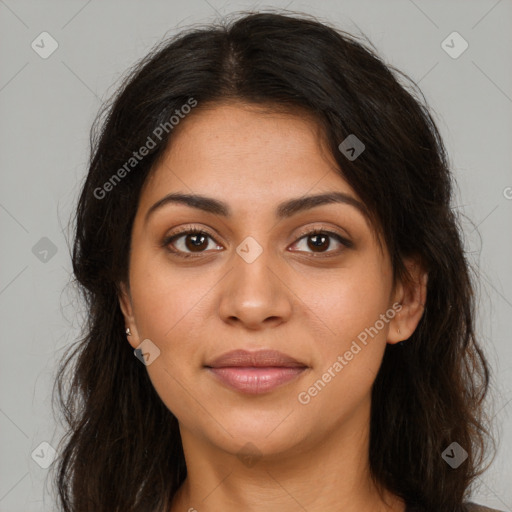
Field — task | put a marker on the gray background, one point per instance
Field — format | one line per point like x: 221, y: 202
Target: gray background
x: 48, y: 105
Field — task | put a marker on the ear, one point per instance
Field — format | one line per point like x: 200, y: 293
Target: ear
x: 125, y: 303
x: 412, y: 295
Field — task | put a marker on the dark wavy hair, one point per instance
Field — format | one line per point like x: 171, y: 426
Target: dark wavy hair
x: 122, y: 449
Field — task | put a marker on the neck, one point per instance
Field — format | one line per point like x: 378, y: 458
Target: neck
x: 327, y: 474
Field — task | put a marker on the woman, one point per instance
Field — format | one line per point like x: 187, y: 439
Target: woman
x: 266, y: 225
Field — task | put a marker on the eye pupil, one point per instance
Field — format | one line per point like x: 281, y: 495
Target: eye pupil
x: 195, y: 244
x: 320, y: 242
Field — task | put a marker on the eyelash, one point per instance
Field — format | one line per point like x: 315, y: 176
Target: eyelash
x: 187, y: 230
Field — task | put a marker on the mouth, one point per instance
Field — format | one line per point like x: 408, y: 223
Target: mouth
x: 255, y: 372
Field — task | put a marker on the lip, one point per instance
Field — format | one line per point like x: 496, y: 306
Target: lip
x: 259, y: 358
x: 255, y: 372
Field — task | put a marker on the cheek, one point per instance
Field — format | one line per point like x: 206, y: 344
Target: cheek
x: 167, y: 312
x: 345, y: 307
x: 166, y: 302
x: 349, y: 349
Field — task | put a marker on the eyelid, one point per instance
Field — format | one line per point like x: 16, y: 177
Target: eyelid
x: 327, y: 230
x: 184, y: 230
x: 311, y: 231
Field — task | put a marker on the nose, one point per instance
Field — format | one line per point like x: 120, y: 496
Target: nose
x: 255, y: 294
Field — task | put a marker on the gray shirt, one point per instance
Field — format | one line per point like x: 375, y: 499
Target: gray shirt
x: 469, y: 507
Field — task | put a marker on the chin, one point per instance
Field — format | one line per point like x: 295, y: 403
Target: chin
x: 267, y: 434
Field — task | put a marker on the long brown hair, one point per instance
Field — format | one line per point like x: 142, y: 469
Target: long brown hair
x: 429, y: 391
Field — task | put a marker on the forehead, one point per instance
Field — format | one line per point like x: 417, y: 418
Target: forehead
x: 247, y: 150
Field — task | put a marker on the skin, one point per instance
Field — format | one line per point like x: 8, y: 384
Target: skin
x: 292, y: 298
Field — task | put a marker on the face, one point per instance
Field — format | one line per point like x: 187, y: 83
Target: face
x: 258, y: 277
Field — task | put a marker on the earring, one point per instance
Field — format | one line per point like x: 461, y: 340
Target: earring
x: 128, y: 332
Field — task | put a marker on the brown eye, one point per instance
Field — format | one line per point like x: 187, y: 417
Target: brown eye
x: 188, y: 242
x: 320, y: 241
x: 196, y: 241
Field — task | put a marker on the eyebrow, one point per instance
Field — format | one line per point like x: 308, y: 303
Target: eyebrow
x: 284, y: 210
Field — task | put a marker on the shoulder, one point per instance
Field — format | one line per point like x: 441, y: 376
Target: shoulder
x: 473, y: 507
